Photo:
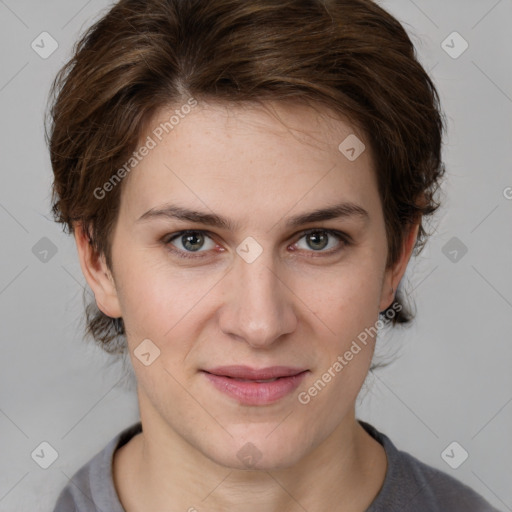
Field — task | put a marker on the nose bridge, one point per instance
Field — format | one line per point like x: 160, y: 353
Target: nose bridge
x: 259, y: 309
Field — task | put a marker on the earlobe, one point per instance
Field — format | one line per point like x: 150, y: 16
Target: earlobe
x: 97, y: 274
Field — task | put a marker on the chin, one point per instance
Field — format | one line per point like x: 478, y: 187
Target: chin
x: 262, y: 449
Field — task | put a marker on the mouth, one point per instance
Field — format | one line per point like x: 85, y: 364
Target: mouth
x: 246, y: 373
x: 251, y: 386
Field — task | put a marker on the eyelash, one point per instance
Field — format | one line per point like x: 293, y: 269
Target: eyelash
x: 166, y: 240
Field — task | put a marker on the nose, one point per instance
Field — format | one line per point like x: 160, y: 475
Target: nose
x: 259, y: 305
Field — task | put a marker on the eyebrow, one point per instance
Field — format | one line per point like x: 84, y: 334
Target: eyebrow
x: 342, y: 210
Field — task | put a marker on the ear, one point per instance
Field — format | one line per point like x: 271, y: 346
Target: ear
x: 394, y: 274
x: 97, y: 274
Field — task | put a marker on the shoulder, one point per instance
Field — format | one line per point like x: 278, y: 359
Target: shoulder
x: 411, y: 485
x: 92, y: 487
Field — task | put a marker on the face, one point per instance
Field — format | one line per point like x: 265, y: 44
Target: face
x: 263, y: 289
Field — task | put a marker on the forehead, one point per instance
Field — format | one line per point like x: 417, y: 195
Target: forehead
x: 295, y: 123
x: 253, y: 155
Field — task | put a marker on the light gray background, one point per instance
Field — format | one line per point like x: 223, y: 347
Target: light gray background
x: 452, y: 380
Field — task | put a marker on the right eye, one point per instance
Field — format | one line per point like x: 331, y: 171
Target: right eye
x: 191, y: 241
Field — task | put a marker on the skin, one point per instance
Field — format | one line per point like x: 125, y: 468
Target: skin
x: 295, y: 305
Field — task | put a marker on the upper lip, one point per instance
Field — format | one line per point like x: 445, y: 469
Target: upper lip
x: 246, y: 372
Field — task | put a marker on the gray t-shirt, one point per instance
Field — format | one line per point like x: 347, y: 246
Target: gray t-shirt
x: 409, y: 485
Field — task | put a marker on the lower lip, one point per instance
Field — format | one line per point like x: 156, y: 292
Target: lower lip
x: 256, y: 393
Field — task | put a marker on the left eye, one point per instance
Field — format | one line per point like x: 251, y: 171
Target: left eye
x: 317, y: 239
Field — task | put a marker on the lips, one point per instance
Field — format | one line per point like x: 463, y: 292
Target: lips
x: 251, y: 374
x: 250, y: 386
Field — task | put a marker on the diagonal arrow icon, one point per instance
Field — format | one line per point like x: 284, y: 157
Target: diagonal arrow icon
x: 249, y: 249
x: 147, y: 352
x: 44, y: 455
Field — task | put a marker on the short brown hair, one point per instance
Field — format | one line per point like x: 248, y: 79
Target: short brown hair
x: 144, y: 55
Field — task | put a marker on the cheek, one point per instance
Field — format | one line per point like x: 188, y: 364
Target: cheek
x: 347, y: 299
x: 155, y: 296
x: 349, y: 308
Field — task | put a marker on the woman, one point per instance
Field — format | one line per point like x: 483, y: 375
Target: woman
x: 246, y: 183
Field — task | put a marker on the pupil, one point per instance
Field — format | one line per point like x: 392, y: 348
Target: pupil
x: 191, y: 237
x: 315, y: 235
